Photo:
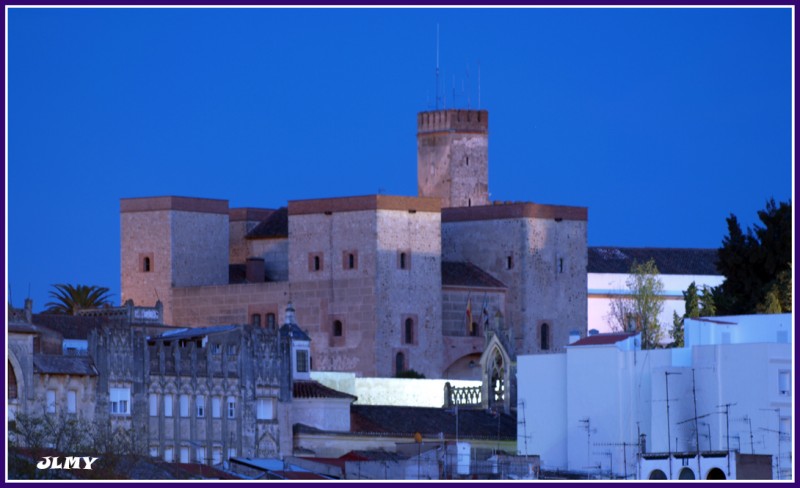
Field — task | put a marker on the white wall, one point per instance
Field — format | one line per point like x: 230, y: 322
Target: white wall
x: 602, y: 286
x: 391, y: 391
x: 623, y: 393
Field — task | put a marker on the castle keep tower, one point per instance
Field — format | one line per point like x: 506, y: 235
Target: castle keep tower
x: 169, y: 242
x: 453, y: 156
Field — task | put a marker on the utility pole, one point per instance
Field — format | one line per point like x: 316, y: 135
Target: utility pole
x: 778, y: 413
x: 625, y: 446
x: 669, y: 441
x: 696, y: 429
x: 727, y: 433
x: 588, y: 426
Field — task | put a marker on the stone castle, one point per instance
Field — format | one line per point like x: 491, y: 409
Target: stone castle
x: 381, y: 284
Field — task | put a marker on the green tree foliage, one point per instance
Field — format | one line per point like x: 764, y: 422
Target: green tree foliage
x: 698, y: 304
x: 756, y: 263
x: 69, y: 299
x: 640, y: 309
x: 677, y: 330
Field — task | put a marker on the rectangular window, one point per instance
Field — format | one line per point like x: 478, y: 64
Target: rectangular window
x: 784, y: 383
x: 216, y: 349
x: 167, y: 405
x: 302, y: 361
x: 216, y: 407
x: 271, y: 320
x: 201, y: 455
x: 184, y: 455
x: 72, y: 401
x: 201, y: 406
x: 231, y: 452
x: 51, y: 401
x: 184, y: 399
x: 231, y: 407
x: 231, y: 350
x: 265, y: 409
x: 153, y: 404
x: 216, y: 455
x: 120, y: 400
x: 168, y: 454
x: 154, y: 451
x: 255, y: 320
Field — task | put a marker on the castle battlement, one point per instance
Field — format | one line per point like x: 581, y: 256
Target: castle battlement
x: 453, y: 120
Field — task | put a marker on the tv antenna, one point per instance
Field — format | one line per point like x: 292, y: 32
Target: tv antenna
x: 437, y: 66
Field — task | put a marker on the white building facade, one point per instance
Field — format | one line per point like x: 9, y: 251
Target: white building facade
x: 601, y: 405
x: 608, y: 272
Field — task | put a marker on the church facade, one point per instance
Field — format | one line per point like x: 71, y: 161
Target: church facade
x: 382, y: 284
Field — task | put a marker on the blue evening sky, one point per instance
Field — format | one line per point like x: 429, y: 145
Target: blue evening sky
x: 661, y: 121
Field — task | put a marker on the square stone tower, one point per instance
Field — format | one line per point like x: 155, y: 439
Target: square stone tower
x: 169, y: 242
x: 453, y: 156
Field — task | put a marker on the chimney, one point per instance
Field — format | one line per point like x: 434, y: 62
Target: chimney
x: 28, y: 310
x: 255, y: 270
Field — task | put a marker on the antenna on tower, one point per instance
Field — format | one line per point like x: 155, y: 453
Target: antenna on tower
x: 468, y: 87
x: 454, y: 91
x: 437, y: 66
x: 479, y: 85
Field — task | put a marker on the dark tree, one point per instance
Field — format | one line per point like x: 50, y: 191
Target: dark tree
x: 756, y: 263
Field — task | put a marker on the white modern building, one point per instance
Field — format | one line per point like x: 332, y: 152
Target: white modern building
x: 604, y: 403
x: 609, y: 268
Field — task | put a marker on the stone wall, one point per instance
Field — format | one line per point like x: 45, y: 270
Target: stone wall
x: 408, y: 287
x: 276, y: 256
x: 171, y: 242
x: 543, y: 263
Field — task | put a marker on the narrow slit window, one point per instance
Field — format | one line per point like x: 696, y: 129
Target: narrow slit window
x: 146, y: 265
x: 545, y: 337
x: 316, y: 263
x: 351, y: 261
x: 337, y: 328
x: 403, y: 260
x: 509, y: 262
x: 409, y: 331
x: 399, y: 363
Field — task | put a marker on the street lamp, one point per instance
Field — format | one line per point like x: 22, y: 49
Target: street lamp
x: 418, y: 440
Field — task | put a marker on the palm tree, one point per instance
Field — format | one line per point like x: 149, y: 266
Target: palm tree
x: 70, y: 299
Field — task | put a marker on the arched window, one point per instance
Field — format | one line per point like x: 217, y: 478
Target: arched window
x: 399, y: 363
x: 545, y: 337
x: 409, y: 331
x: 716, y: 474
x: 12, y: 382
x: 657, y: 474
x: 498, y: 379
x: 686, y: 474
x: 337, y: 328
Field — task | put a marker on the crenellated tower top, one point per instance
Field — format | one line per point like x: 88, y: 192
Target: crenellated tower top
x: 453, y: 156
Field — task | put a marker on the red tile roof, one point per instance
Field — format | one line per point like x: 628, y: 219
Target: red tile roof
x: 603, y: 339
x: 313, y: 389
